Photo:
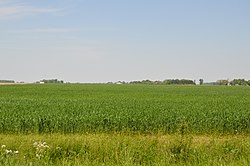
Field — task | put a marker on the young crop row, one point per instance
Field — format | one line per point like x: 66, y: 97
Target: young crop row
x: 123, y: 108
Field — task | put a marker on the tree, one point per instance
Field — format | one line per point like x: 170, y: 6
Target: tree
x: 201, y: 81
x: 248, y: 82
x: 7, y: 81
x: 179, y: 82
x: 147, y: 82
x: 239, y: 82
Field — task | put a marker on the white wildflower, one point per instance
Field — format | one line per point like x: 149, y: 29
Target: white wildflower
x: 16, y: 152
x: 3, y: 146
x: 8, y: 151
x: 38, y: 155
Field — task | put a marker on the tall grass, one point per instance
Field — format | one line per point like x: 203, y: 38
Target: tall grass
x: 122, y: 149
x: 123, y: 108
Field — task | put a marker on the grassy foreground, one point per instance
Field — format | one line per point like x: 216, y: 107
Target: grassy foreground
x: 124, y: 149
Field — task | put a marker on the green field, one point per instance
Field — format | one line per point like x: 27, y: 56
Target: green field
x: 123, y: 108
x: 125, y: 124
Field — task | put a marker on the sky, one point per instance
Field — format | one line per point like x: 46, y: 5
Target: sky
x: 124, y: 40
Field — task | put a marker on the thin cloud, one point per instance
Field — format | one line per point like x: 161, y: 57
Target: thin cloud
x: 44, y: 30
x: 54, y: 30
x: 10, y: 11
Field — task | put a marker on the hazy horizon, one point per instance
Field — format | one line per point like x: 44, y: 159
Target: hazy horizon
x: 92, y: 41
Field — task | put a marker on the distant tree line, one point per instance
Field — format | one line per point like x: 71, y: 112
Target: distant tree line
x: 7, y: 81
x: 234, y: 82
x: 166, y: 82
x: 51, y: 81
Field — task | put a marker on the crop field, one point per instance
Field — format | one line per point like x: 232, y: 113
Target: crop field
x: 123, y: 108
x: 143, y: 124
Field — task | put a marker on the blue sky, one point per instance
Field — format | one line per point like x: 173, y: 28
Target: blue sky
x: 111, y: 40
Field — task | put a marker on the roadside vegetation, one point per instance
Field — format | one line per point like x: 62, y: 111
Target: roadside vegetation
x: 124, y: 149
